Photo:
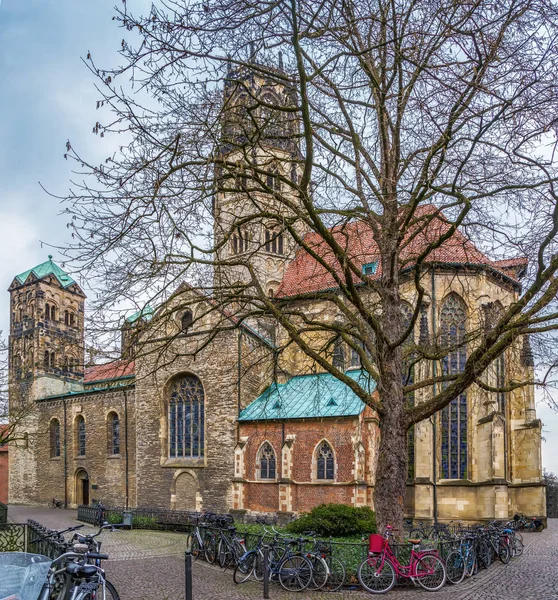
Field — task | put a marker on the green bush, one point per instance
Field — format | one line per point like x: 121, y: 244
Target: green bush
x: 144, y: 522
x: 114, y: 518
x: 337, y: 520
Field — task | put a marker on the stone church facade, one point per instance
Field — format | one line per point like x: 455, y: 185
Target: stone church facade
x: 206, y: 419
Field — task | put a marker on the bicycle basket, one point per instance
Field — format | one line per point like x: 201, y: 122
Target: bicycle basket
x: 22, y: 575
x: 376, y: 543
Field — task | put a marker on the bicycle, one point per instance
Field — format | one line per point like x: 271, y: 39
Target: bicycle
x: 199, y: 543
x: 328, y: 572
x: 100, y: 515
x: 436, y: 531
x: 229, y: 548
x: 378, y: 572
x: 82, y: 580
x: 463, y: 562
x: 55, y: 503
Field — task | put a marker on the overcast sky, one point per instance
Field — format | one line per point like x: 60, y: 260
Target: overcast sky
x: 47, y: 97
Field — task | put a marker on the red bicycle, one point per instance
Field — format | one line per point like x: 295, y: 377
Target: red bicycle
x: 378, y: 573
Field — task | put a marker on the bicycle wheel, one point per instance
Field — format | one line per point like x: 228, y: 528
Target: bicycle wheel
x: 319, y: 573
x: 472, y: 563
x: 417, y: 534
x: 110, y: 591
x: 52, y: 504
x: 223, y: 555
x: 244, y: 568
x: 504, y: 553
x: 375, y: 577
x: 210, y: 547
x: 194, y: 544
x: 336, y: 574
x: 431, y: 572
x: 486, y: 554
x: 518, y: 536
x: 517, y: 547
x: 295, y: 573
x: 455, y: 567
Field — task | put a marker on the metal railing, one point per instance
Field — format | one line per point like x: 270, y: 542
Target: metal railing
x: 142, y: 518
x: 27, y: 537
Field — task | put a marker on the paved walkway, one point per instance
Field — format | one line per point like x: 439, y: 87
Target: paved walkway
x: 147, y: 565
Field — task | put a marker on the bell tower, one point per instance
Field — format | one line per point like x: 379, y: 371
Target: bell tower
x: 46, y: 341
x: 256, y: 179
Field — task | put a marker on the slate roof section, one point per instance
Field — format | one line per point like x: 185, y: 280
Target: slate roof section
x: 308, y: 397
x: 305, y: 275
x: 113, y: 370
x: 49, y: 267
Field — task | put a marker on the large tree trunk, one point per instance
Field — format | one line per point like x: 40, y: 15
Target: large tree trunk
x: 391, y: 472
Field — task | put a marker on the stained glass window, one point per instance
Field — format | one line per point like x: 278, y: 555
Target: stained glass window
x: 54, y: 438
x: 114, y: 433
x: 267, y: 462
x: 339, y: 354
x: 454, y: 416
x: 408, y: 379
x: 326, y: 464
x: 80, y: 433
x: 186, y: 418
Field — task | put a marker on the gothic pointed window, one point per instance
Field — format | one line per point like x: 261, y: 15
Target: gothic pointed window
x: 80, y: 435
x: 267, y: 462
x: 454, y: 416
x: 325, y: 462
x: 54, y: 438
x: 186, y: 418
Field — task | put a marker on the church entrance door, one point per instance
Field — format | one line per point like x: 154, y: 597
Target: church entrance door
x: 82, y: 487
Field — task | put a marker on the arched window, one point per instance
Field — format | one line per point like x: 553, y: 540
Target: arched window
x: 113, y: 433
x: 274, y: 241
x: 69, y: 318
x: 267, y: 462
x: 54, y: 438
x: 47, y: 311
x: 186, y: 320
x: 325, y: 462
x: 49, y: 359
x: 80, y: 435
x: 186, y: 418
x: 454, y: 416
x: 273, y: 182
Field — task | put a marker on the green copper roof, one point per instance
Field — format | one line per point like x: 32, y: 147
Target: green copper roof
x: 145, y: 313
x: 47, y: 268
x: 309, y: 397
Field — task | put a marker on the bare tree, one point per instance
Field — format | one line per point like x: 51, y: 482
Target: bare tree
x: 396, y: 124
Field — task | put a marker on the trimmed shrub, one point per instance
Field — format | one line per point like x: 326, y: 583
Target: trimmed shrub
x: 337, y: 520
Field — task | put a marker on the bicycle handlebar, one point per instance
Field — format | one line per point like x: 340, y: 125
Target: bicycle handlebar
x: 45, y: 537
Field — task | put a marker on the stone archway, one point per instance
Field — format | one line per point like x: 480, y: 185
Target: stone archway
x: 82, y: 488
x: 185, y: 491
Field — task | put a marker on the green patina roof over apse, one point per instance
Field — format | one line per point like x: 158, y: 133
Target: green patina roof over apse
x: 309, y: 397
x: 47, y: 268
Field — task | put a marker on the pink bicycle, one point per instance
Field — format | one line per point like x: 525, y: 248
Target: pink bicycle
x: 378, y: 573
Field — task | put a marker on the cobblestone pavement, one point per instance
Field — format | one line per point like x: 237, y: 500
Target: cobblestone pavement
x: 147, y: 565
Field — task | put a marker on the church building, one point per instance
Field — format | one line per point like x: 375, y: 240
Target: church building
x: 203, y: 417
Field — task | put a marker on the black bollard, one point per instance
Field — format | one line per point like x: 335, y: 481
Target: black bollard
x: 188, y: 578
x: 266, y: 572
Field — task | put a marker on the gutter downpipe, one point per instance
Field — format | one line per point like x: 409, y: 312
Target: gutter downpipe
x: 65, y: 455
x: 434, y: 419
x: 127, y: 502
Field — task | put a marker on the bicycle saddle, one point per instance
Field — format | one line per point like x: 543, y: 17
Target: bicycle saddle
x: 414, y: 541
x: 81, y: 570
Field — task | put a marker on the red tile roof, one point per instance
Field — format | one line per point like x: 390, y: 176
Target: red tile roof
x: 305, y: 274
x: 112, y: 370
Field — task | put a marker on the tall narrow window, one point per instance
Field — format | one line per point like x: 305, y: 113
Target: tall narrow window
x: 325, y: 462
x: 408, y: 379
x: 186, y: 418
x: 267, y: 462
x: 274, y: 241
x: 501, y: 382
x: 80, y: 436
x: 339, y: 354
x: 454, y: 416
x: 47, y: 311
x: 354, y: 361
x: 113, y: 433
x: 54, y: 438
